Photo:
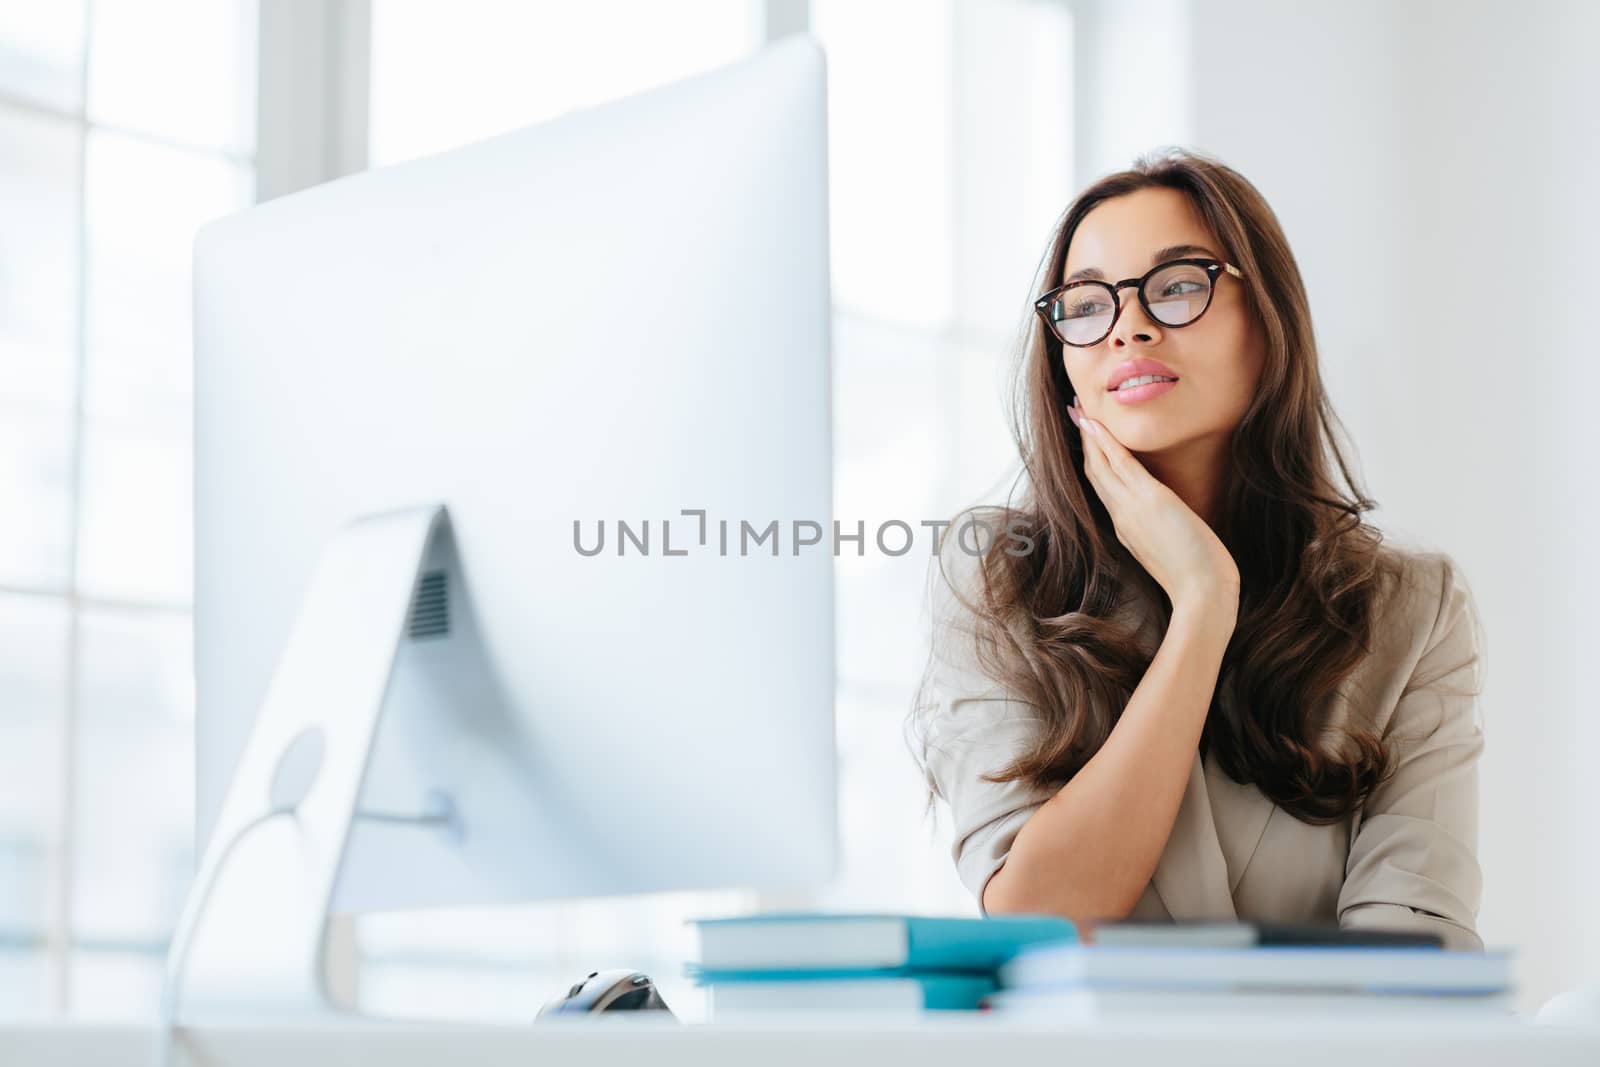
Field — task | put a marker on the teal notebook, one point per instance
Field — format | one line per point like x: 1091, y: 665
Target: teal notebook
x: 796, y: 943
x: 855, y: 992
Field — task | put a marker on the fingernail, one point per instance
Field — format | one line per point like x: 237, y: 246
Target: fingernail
x: 1086, y: 423
x: 1072, y: 413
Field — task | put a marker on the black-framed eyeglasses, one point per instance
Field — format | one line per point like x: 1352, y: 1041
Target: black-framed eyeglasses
x: 1174, y: 293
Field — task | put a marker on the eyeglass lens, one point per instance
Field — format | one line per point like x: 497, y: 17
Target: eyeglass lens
x: 1176, y: 295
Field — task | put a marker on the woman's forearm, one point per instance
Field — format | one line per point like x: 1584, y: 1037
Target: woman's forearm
x: 1089, y: 851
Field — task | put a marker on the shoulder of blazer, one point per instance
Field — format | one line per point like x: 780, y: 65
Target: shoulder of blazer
x: 1410, y: 607
x: 1422, y: 586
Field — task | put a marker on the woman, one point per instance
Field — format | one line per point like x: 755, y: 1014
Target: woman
x: 1182, y: 678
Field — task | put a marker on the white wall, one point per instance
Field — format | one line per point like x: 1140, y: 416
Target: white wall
x: 1432, y: 164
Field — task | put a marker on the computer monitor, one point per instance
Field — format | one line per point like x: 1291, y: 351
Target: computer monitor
x: 610, y: 329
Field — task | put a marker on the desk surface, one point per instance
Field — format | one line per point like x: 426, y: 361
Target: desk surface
x: 828, y: 1041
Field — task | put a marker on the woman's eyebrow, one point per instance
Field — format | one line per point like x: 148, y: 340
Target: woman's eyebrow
x: 1160, y: 256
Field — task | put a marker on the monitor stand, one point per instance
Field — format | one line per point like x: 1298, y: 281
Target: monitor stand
x: 251, y: 937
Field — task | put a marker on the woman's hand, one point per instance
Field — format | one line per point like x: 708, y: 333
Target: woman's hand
x: 1175, y: 545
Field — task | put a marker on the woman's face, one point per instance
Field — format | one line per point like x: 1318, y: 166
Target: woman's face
x: 1217, y: 359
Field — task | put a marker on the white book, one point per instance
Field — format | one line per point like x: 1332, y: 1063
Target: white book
x: 1393, y: 970
x: 1174, y: 935
x: 1235, y: 933
x: 1085, y: 1005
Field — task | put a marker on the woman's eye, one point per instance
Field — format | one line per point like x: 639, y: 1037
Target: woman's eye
x: 1087, y: 309
x: 1181, y: 288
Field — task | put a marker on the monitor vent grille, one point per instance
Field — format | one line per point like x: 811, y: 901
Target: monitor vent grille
x: 430, y: 611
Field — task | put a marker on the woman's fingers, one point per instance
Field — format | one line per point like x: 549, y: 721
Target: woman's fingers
x: 1101, y: 476
x: 1118, y: 459
x: 1094, y: 451
x: 1091, y: 465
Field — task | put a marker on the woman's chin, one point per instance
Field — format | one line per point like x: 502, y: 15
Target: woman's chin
x: 1142, y: 437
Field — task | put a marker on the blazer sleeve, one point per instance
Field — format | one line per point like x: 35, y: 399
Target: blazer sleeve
x: 973, y: 727
x: 1413, y: 861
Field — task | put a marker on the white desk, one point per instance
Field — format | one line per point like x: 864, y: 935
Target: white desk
x: 964, y: 1041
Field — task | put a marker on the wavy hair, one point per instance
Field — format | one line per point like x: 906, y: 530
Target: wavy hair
x: 1310, y: 569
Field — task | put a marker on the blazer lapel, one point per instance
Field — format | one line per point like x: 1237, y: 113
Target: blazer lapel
x: 1240, y: 814
x: 1192, y: 876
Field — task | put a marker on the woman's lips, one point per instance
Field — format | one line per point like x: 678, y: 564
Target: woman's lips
x: 1140, y: 393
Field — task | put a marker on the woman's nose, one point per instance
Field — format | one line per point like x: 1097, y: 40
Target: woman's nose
x: 1132, y: 322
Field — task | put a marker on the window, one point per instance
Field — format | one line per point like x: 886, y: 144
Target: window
x: 946, y: 180
x: 118, y: 138
x: 446, y: 77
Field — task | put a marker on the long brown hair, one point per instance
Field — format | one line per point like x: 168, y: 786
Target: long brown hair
x: 1310, y: 569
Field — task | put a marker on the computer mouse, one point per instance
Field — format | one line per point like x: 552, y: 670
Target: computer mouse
x: 619, y: 989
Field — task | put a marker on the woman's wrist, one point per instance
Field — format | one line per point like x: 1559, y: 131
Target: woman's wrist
x: 1212, y: 603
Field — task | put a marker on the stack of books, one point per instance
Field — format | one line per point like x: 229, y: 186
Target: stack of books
x: 880, y: 963
x: 1142, y: 971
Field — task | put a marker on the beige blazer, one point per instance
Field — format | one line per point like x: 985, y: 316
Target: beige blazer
x: 1407, y: 861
